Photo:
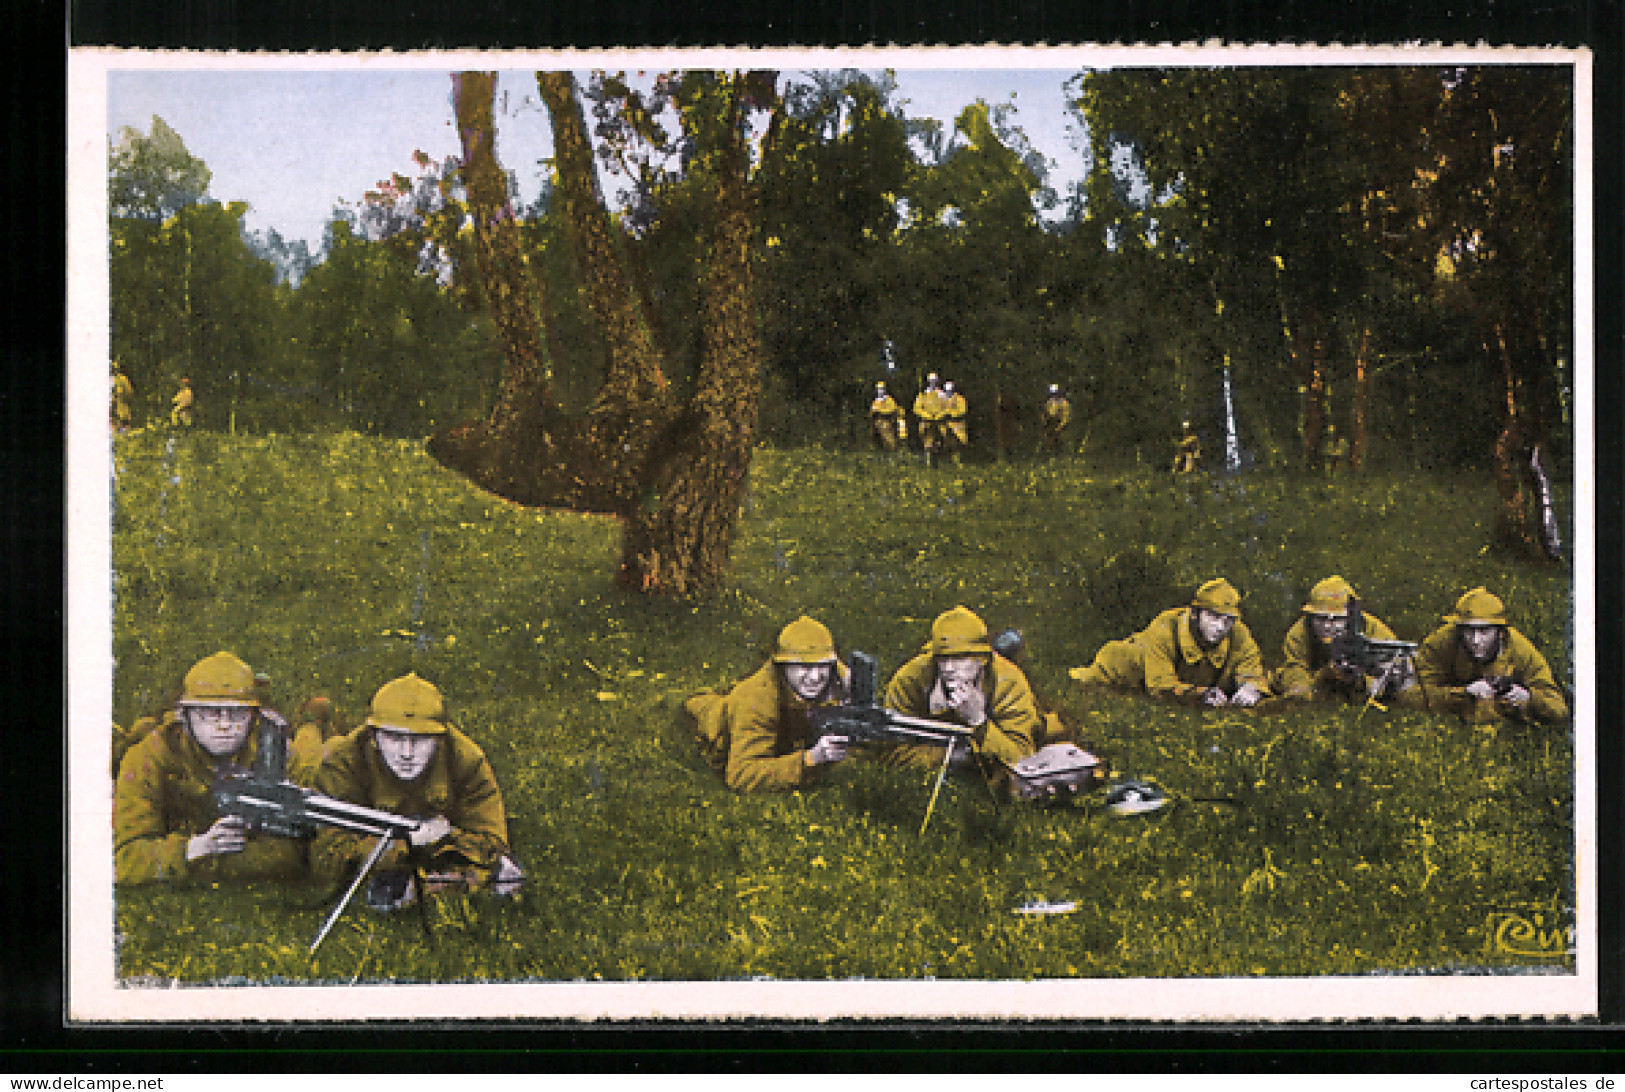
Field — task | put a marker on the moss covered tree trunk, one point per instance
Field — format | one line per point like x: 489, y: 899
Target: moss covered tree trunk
x: 634, y: 407
x: 678, y: 542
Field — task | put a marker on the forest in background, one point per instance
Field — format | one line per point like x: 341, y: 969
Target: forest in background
x: 1383, y: 250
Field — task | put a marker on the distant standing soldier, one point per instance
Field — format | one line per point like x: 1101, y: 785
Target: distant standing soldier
x: 408, y: 758
x: 887, y: 421
x: 929, y: 409
x: 1479, y: 666
x: 123, y: 393
x: 1057, y: 414
x: 1188, y: 458
x: 1308, y: 671
x: 165, y: 826
x: 1202, y: 654
x: 956, y: 436
x: 180, y: 413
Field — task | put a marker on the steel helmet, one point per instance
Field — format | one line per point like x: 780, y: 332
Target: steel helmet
x: 880, y: 388
x: 804, y: 641
x: 1055, y: 388
x: 1479, y: 607
x: 931, y: 380
x: 408, y: 704
x: 1219, y: 596
x: 1331, y: 596
x: 221, y: 679
x: 959, y: 632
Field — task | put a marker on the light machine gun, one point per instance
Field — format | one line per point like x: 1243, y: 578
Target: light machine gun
x: 864, y: 720
x: 265, y: 800
x: 1386, y: 663
x: 1353, y: 650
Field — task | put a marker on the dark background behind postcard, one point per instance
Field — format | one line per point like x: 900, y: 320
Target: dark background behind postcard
x: 33, y: 1039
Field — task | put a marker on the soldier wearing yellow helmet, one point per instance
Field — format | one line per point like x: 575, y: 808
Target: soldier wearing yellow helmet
x: 887, y: 422
x: 408, y: 758
x: 165, y: 826
x: 958, y: 677
x: 757, y: 735
x: 1308, y: 671
x: 930, y: 410
x: 1201, y: 654
x: 1478, y: 665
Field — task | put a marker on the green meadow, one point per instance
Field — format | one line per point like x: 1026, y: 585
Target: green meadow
x: 1305, y: 842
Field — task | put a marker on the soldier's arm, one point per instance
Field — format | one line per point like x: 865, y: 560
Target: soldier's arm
x: 1013, y: 723
x: 144, y: 849
x: 1160, y: 649
x: 333, y: 852
x: 753, y: 762
x: 479, y: 821
x: 1295, y: 679
x: 1433, y: 671
x: 1246, y: 659
x: 906, y: 693
x: 1546, y: 701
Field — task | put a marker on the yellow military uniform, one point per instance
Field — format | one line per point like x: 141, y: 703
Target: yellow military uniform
x: 757, y: 734
x: 1057, y: 414
x: 180, y: 413
x: 956, y: 433
x: 1189, y: 456
x: 459, y: 784
x: 123, y: 393
x: 1306, y: 670
x: 1446, y: 670
x: 162, y: 799
x: 1167, y: 660
x: 929, y: 410
x: 1013, y: 729
x: 887, y: 422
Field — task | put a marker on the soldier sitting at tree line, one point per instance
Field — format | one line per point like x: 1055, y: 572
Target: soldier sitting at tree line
x: 887, y: 422
x: 1308, y: 671
x: 757, y: 735
x: 1202, y: 654
x: 408, y: 758
x: 180, y: 414
x: 1479, y: 666
x: 958, y: 678
x: 165, y: 826
x: 1057, y: 414
x: 1189, y: 456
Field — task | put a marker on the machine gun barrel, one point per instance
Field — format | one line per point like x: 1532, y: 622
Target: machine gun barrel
x: 865, y: 720
x: 292, y: 811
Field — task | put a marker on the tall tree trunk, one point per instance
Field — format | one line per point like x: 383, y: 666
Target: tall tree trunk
x: 1362, y: 401
x: 680, y: 543
x: 514, y: 454
x: 634, y: 406
x: 1512, y: 516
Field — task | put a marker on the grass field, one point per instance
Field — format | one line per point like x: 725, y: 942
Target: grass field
x: 337, y: 562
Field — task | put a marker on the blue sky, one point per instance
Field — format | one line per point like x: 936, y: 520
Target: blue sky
x: 294, y: 143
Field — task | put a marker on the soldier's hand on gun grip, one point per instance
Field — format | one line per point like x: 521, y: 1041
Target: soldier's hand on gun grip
x: 1246, y: 695
x: 1214, y: 696
x: 430, y: 831
x: 827, y: 750
x: 1480, y: 689
x: 226, y: 836
x: 1516, y: 696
